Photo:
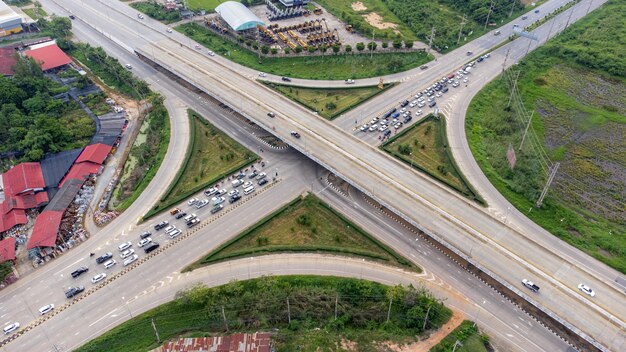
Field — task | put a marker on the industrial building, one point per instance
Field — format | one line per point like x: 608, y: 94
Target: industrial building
x: 10, y: 21
x: 237, y: 16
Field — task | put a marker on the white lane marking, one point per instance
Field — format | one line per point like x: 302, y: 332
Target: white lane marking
x: 62, y: 270
x: 103, y: 317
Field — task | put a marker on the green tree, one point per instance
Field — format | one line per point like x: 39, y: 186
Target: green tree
x: 397, y: 44
x: 408, y: 44
x: 348, y: 48
x: 371, y: 46
x: 298, y: 49
x: 265, y: 49
x: 385, y: 45
x: 336, y: 48
x: 311, y: 48
x: 360, y: 46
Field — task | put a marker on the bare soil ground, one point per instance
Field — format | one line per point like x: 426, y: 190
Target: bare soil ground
x: 376, y: 20
x: 358, y: 6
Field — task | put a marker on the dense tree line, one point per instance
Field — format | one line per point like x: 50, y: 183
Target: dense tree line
x: 34, y: 123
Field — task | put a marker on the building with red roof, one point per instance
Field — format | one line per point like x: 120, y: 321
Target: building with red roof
x: 45, y: 229
x: 49, y: 57
x: 24, y: 188
x: 7, y: 249
x: 23, y: 178
x: 7, y: 61
x: 11, y: 217
x: 95, y: 153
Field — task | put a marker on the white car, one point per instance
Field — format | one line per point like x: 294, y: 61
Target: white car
x: 382, y: 128
x: 144, y: 242
x: 131, y: 260
x: 211, y: 191
x: 98, y: 278
x: 218, y: 200
x: 438, y: 95
x: 110, y: 264
x: 124, y: 246
x: 586, y: 289
x: 11, y: 327
x: 465, y: 80
x: 349, y: 81
x: 247, y: 184
x: 221, y: 191
x: 373, y: 127
x: 197, y: 47
x: 261, y: 176
x: 262, y: 74
x: 211, y: 53
x: 233, y: 192
x: 202, y: 203
x: 192, y: 201
x: 169, y: 30
x: 364, y: 128
x: 128, y: 66
x: 127, y: 253
x: 177, y: 232
x: 45, y: 309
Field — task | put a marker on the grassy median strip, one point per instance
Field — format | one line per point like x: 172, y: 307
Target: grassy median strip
x: 309, y: 67
x: 424, y: 146
x: 305, y: 225
x: 211, y: 156
x: 576, y: 86
x: 329, y: 102
x: 322, y: 313
x: 469, y: 337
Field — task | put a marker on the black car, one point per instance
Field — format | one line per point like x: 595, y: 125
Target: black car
x: 432, y: 103
x: 72, y: 17
x: 180, y: 215
x: 234, y: 198
x: 151, y: 247
x: 262, y: 182
x: 286, y: 79
x: 445, y: 90
x: 253, y: 174
x: 73, y: 291
x: 217, y: 208
x: 146, y: 234
x: 408, y: 118
x: 404, y: 103
x: 161, y: 225
x: 295, y: 134
x: 79, y: 271
x: 103, y: 258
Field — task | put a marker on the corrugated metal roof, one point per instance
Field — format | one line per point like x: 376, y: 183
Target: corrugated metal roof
x: 45, y: 229
x: 238, y: 16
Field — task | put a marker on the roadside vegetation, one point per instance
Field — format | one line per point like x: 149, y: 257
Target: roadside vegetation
x: 468, y: 335
x: 145, y: 157
x: 33, y: 123
x: 576, y: 86
x: 329, y: 102
x: 308, y: 67
x: 210, y: 5
x: 424, y: 146
x: 309, y: 324
x: 35, y: 13
x: 157, y: 11
x: 305, y: 225
x: 211, y: 155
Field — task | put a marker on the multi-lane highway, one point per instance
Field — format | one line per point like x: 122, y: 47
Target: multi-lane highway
x: 385, y: 176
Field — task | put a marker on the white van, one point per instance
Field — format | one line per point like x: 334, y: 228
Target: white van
x: 237, y: 183
x: 248, y: 190
x: 10, y: 328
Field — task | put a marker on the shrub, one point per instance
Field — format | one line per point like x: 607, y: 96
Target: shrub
x: 408, y: 45
x: 397, y: 44
x: 360, y: 46
x: 385, y: 45
x: 265, y: 49
x: 372, y: 45
x: 311, y: 49
x: 348, y: 48
x: 298, y: 49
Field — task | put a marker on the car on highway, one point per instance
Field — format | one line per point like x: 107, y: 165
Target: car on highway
x: 193, y: 222
x: 586, y: 290
x: 161, y: 225
x: 524, y: 17
x: 211, y: 53
x: 128, y: 66
x: 131, y: 260
x: 469, y: 53
x: 373, y: 128
x: 197, y: 47
x: 124, y: 246
x: 217, y: 208
x: 73, y: 291
x: 127, y: 253
x: 295, y: 134
x: 144, y: 242
x: 286, y: 79
x: 536, y: 11
x: 262, y: 182
x: 262, y: 74
x: 140, y: 16
x: 423, y: 67
x: 103, y: 258
x: 98, y: 278
x: 11, y: 327
x: 349, y: 81
x: 45, y: 309
x: 271, y: 114
x: 496, y: 33
x: 364, y: 128
x: 530, y: 285
x: 151, y: 247
x: 201, y: 204
x: 109, y: 264
x: 169, y: 30
x: 76, y: 273
x: 72, y: 17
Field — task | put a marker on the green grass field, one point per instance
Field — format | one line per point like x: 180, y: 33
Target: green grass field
x: 35, y: 13
x: 345, y: 11
x: 424, y: 146
x: 261, y: 304
x: 468, y: 335
x: 576, y: 86
x: 316, y: 67
x: 156, y: 11
x: 208, y: 5
x: 305, y: 225
x: 329, y: 103
x: 212, y: 155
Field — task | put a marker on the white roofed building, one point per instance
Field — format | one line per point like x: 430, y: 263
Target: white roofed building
x: 237, y: 16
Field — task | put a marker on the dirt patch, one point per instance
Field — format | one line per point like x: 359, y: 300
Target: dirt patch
x: 376, y: 20
x: 348, y: 345
x: 358, y: 6
x: 434, y: 338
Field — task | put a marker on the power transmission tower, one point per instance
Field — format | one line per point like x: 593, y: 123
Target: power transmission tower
x: 514, y: 88
x: 545, y: 189
x: 461, y: 30
x: 432, y: 37
x: 526, y: 130
x: 488, y: 14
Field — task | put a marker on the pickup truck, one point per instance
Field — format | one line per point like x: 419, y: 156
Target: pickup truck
x: 530, y: 285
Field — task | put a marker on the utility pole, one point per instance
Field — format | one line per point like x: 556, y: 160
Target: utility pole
x: 568, y: 18
x: 288, y: 311
x: 225, y: 321
x: 526, y: 130
x: 589, y: 8
x: 457, y: 343
x: 512, y: 7
x: 336, y: 301
x: 389, y: 311
x: 545, y: 189
x: 530, y: 41
x: 488, y: 14
x: 156, y: 332
x: 551, y: 26
x: 461, y: 30
x: 505, y: 58
x: 514, y: 88
x: 372, y: 47
x: 426, y: 317
x: 432, y: 37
